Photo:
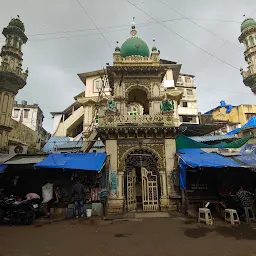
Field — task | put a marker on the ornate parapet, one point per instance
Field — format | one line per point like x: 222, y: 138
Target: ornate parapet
x: 249, y: 77
x: 251, y: 71
x: 135, y: 60
x: 17, y: 72
x: 139, y: 120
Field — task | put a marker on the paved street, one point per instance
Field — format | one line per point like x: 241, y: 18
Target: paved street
x: 159, y: 236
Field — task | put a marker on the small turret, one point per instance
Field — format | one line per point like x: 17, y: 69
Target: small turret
x: 11, y: 52
x: 248, y: 38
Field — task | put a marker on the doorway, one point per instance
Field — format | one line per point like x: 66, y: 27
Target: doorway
x: 142, y: 182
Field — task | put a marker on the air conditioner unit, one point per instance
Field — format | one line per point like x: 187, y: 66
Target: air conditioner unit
x: 18, y: 150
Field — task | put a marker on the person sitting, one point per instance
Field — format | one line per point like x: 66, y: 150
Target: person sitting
x: 244, y: 199
x: 224, y: 191
x: 58, y: 194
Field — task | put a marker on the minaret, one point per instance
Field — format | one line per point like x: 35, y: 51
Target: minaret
x: 248, y: 38
x: 12, y: 78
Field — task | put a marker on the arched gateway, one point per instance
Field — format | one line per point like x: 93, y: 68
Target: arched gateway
x: 142, y: 184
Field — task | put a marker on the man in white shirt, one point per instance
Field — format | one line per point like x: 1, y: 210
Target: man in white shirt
x: 47, y: 194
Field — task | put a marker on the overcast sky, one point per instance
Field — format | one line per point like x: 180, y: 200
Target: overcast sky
x: 64, y: 41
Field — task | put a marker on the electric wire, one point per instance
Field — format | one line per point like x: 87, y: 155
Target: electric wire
x: 182, y: 37
x: 2, y: 39
x: 199, y: 25
x: 94, y: 23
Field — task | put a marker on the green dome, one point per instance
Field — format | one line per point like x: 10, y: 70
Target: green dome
x: 134, y: 46
x: 154, y: 48
x: 17, y: 23
x: 248, y: 23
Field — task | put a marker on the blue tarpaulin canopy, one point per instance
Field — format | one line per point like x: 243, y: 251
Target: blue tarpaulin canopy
x: 195, y: 157
x: 3, y: 167
x: 248, y: 155
x: 250, y: 124
x: 80, y: 161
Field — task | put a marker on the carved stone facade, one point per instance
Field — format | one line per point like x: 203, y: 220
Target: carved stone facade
x: 141, y: 144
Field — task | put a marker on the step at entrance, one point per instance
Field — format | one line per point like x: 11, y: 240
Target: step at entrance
x: 142, y: 215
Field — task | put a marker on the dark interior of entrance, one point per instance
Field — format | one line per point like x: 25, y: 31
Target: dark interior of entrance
x: 139, y: 96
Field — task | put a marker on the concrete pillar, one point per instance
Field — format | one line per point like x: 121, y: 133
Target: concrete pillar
x: 120, y: 193
x: 115, y: 197
x: 164, y: 201
x: 170, y: 150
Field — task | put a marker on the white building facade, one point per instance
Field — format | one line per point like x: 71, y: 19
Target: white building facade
x: 29, y: 115
x: 188, y: 108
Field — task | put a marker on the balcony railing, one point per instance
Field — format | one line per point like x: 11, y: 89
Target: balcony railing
x: 140, y: 120
x: 17, y: 72
x: 251, y: 71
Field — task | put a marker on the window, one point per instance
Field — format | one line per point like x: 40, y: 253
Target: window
x: 96, y: 119
x: 184, y: 104
x: 133, y: 111
x: 251, y: 40
x: 97, y: 85
x: 180, y: 79
x: 187, y: 79
x: 188, y: 119
x: 246, y: 44
x: 189, y: 92
x: 16, y: 42
x: 249, y: 116
x: 26, y: 112
x: 16, y: 113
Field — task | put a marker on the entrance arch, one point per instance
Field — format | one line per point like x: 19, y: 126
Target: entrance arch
x: 142, y: 184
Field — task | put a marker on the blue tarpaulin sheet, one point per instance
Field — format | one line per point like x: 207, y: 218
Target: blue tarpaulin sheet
x: 248, y: 155
x: 79, y: 161
x: 250, y: 124
x: 195, y: 157
x: 3, y: 167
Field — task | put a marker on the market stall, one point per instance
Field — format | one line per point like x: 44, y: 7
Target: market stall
x: 63, y: 169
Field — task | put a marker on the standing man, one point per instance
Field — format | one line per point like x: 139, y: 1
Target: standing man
x: 78, y: 198
x: 47, y: 194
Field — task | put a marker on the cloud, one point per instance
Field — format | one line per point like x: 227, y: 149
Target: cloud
x: 54, y: 59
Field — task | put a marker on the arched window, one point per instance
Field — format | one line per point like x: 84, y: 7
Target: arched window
x: 251, y: 40
x: 8, y: 40
x: 16, y: 42
x: 246, y: 44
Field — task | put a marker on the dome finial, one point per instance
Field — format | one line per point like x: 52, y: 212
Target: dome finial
x: 133, y: 31
x: 154, y: 45
x: 117, y: 49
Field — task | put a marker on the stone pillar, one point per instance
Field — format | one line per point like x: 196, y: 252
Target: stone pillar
x: 115, y: 199
x: 170, y: 150
x: 120, y: 193
x: 6, y: 103
x: 164, y: 202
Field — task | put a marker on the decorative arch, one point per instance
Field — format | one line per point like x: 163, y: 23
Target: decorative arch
x: 138, y: 87
x: 140, y: 95
x: 154, y: 153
